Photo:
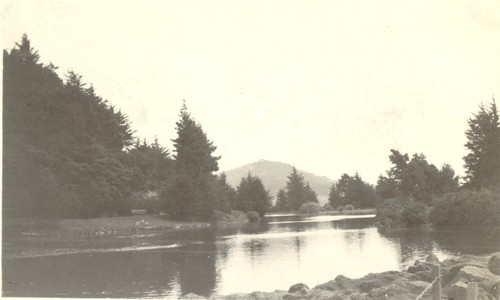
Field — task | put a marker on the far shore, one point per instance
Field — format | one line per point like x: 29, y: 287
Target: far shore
x: 138, y: 221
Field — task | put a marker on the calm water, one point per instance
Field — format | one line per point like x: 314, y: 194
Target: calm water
x: 274, y: 254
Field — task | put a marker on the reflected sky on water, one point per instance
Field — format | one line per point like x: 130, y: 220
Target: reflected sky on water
x: 273, y: 254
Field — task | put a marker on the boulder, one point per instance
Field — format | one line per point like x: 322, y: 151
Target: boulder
x: 191, y: 296
x: 433, y: 259
x: 321, y: 294
x: 400, y: 289
x: 340, y: 282
x: 293, y: 297
x: 299, y: 288
x: 457, y: 291
x: 494, y: 264
x: 482, y: 276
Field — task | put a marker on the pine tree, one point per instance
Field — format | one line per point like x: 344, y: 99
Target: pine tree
x: 194, y: 192
x: 310, y: 195
x: 281, y: 201
x: 194, y: 151
x: 334, y: 197
x: 252, y: 196
x: 295, y: 189
x: 482, y: 163
x: 226, y: 196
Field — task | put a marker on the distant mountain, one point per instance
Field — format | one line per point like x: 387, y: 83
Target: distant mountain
x: 274, y: 177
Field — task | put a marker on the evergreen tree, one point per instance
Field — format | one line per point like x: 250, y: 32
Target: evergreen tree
x: 194, y: 192
x: 295, y: 189
x: 482, y: 163
x: 352, y: 190
x: 415, y: 178
x: 252, y: 196
x: 58, y: 159
x: 334, y: 196
x: 281, y: 201
x: 227, y: 194
x: 194, y: 151
x: 386, y: 187
x: 310, y: 195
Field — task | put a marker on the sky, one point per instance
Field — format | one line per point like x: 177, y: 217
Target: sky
x: 327, y: 86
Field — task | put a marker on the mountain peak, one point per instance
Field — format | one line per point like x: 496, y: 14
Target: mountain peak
x: 274, y: 177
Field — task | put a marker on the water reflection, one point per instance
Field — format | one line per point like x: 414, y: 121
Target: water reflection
x: 273, y: 254
x: 162, y: 272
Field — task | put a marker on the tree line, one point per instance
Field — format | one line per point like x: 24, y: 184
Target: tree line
x: 415, y: 192
x: 70, y: 153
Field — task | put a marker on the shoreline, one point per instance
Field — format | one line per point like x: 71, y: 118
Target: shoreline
x: 401, y: 285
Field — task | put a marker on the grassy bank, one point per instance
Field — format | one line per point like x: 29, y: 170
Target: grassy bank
x: 24, y: 227
x: 366, y: 211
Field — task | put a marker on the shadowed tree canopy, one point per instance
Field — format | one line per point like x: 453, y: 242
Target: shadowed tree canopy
x: 252, y: 195
x: 193, y: 150
x: 195, y: 190
x: 352, y: 190
x: 63, y: 145
x: 416, y: 178
x: 482, y: 163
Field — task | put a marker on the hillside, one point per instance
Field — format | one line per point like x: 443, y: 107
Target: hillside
x: 274, y: 176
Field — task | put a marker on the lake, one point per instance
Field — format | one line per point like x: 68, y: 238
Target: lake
x: 280, y: 251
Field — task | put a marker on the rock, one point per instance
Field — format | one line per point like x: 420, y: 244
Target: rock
x: 425, y: 276
x: 321, y: 294
x: 419, y: 284
x: 433, y: 259
x: 369, y: 285
x: 294, y: 297
x: 457, y: 291
x: 494, y: 263
x: 412, y: 269
x: 264, y: 296
x: 482, y: 276
x: 400, y: 289
x: 299, y: 288
x: 340, y: 282
x: 191, y: 296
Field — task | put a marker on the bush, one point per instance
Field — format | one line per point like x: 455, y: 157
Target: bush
x: 402, y: 212
x: 253, y: 216
x: 349, y: 207
x: 467, y: 208
x: 310, y: 208
x: 327, y: 207
x: 415, y: 214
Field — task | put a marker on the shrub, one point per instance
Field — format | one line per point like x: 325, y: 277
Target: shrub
x: 415, y: 214
x: 402, y: 212
x: 467, y: 208
x: 327, y: 207
x: 253, y: 216
x: 310, y: 208
x: 349, y: 207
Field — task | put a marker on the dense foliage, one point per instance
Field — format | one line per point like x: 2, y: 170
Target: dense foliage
x: 310, y: 208
x: 69, y: 153
x: 482, y: 163
x: 63, y: 152
x: 416, y: 192
x: 352, y: 190
x: 471, y: 208
x: 194, y: 191
x: 296, y: 193
x: 415, y: 178
x: 252, y: 196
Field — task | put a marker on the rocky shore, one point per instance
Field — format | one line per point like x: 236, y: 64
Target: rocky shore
x: 409, y: 284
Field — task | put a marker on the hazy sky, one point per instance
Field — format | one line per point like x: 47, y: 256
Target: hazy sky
x: 329, y: 86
